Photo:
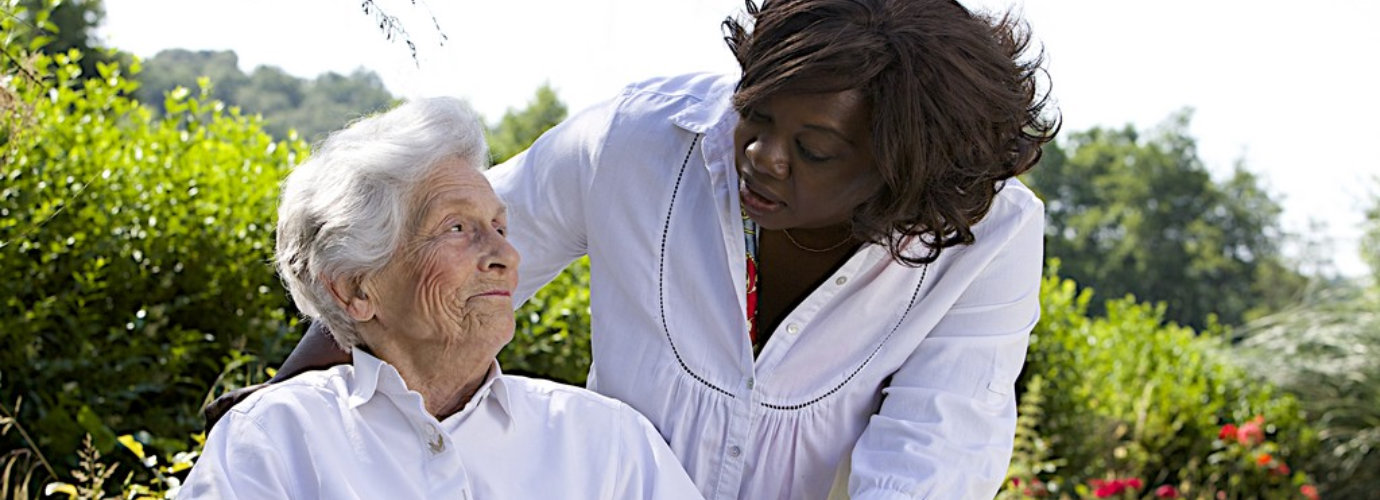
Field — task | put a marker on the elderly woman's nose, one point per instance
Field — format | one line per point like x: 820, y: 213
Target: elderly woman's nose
x: 766, y: 155
x: 499, y: 253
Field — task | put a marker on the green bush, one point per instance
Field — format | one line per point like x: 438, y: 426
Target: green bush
x: 134, y: 254
x: 551, y: 339
x: 1127, y: 396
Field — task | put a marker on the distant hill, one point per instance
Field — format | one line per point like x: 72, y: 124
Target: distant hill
x: 314, y: 107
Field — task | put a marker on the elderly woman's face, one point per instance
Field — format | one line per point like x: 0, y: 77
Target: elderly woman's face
x: 805, y: 161
x: 452, y: 280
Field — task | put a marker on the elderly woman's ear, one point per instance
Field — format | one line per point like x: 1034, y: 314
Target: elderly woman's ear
x: 354, y: 298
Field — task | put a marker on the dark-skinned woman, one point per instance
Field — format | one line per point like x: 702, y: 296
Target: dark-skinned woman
x: 816, y: 278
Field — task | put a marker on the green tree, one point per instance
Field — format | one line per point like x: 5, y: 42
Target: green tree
x: 174, y: 68
x: 519, y: 128
x: 1139, y: 214
x: 313, y: 108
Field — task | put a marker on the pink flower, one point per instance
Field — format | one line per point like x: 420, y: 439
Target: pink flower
x: 1251, y: 433
x: 1282, y: 469
x: 1309, y: 491
x: 1166, y: 491
x: 1134, y: 483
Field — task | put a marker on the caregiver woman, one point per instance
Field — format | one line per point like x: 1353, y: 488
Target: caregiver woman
x: 821, y: 273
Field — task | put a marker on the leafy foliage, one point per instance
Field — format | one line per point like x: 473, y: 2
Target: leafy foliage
x: 1131, y: 214
x: 57, y: 26
x: 1125, y: 396
x: 135, y: 253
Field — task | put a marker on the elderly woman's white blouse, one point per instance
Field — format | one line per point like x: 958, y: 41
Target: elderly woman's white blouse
x: 908, y: 371
x: 358, y: 432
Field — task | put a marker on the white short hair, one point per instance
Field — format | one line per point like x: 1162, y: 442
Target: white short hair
x: 343, y: 212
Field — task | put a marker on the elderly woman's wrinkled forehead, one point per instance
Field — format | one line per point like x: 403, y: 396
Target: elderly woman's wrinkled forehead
x: 455, y: 186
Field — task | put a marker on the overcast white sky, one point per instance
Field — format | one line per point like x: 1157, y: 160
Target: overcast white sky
x: 1288, y: 87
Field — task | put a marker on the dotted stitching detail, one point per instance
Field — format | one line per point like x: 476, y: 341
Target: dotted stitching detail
x: 661, y: 274
x: 914, y: 295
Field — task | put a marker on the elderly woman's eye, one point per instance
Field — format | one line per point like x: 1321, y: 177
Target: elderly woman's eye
x: 456, y: 228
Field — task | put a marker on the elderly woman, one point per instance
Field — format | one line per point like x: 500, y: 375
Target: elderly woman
x: 391, y: 237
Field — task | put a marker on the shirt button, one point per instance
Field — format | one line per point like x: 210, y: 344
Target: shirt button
x: 792, y: 328
x: 436, y: 442
x: 751, y: 383
x: 734, y: 451
x: 841, y: 280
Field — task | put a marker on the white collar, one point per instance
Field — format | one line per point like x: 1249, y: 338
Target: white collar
x: 373, y: 376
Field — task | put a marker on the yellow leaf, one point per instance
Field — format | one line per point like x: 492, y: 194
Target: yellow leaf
x: 52, y: 488
x: 134, y: 446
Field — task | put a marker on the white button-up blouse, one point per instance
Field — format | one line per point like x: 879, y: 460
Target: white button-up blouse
x: 897, y: 380
x: 358, y: 432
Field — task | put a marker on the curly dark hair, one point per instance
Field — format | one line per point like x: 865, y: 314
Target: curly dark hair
x: 955, y: 105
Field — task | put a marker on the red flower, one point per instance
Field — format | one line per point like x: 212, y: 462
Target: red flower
x: 1263, y: 459
x: 1309, y: 491
x: 1106, y: 488
x: 1103, y: 488
x: 1166, y: 491
x: 1228, y: 431
x: 1282, y: 469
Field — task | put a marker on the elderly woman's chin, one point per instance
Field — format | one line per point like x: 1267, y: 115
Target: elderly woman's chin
x: 489, y: 327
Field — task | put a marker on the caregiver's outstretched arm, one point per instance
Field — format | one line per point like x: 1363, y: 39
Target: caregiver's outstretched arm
x: 315, y: 351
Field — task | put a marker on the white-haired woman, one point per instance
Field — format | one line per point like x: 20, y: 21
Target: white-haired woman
x: 391, y: 237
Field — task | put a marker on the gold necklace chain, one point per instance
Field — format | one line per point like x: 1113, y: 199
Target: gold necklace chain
x: 797, y: 244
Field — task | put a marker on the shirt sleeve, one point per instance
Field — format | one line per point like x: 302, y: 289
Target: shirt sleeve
x: 650, y: 469
x: 238, y: 461
x: 545, y: 189
x: 947, y: 421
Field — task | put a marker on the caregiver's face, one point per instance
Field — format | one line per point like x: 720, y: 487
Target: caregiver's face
x: 452, y: 281
x: 805, y: 160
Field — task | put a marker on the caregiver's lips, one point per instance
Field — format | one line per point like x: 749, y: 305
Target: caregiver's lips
x: 757, y: 203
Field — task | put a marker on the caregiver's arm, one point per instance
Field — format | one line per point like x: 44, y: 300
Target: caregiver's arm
x: 546, y: 191
x: 316, y: 350
x: 947, y: 422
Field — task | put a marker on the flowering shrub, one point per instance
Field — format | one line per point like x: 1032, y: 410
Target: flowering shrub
x: 1125, y: 406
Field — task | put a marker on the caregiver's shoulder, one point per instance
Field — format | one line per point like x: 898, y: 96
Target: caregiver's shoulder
x: 699, y: 86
